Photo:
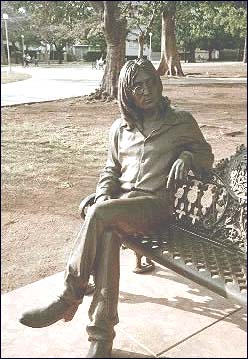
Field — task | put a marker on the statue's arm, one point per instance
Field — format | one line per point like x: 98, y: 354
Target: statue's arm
x: 195, y: 145
x: 108, y: 185
x: 196, y: 153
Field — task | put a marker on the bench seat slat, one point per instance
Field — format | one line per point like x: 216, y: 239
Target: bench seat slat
x: 196, y: 258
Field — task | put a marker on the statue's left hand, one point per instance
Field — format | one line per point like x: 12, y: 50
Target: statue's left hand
x: 179, y: 169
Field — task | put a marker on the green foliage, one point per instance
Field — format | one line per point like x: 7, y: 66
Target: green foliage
x: 18, y: 23
x: 204, y: 24
x: 95, y: 36
x: 53, y: 22
x: 232, y: 17
x: 207, y: 24
x: 61, y: 22
x: 210, y: 24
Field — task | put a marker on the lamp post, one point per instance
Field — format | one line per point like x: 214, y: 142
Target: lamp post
x: 22, y: 36
x: 150, y: 47
x: 5, y: 18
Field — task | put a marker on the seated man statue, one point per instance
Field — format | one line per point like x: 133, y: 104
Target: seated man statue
x: 150, y: 146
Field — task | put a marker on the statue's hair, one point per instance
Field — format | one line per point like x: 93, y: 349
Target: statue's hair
x: 129, y: 111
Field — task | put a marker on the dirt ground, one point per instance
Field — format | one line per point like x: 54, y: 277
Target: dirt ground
x: 52, y: 154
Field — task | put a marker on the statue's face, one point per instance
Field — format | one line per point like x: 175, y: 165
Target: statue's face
x: 145, y: 91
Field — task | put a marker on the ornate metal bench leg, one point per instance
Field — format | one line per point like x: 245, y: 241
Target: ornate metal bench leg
x: 143, y: 267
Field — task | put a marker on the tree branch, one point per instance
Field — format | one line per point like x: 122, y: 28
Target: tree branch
x: 151, y: 20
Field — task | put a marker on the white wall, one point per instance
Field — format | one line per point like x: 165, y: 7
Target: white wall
x: 132, y: 48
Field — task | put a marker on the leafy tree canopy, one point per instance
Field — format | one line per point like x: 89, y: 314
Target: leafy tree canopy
x: 198, y: 23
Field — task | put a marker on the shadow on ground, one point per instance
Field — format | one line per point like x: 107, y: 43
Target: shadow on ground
x: 210, y: 307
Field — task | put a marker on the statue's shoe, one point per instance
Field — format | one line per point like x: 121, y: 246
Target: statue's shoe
x: 100, y: 349
x: 43, y: 317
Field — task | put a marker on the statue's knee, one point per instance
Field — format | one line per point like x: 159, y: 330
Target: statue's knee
x: 103, y: 212
x: 96, y: 211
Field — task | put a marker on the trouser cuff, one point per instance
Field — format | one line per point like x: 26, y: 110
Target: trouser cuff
x: 103, y: 332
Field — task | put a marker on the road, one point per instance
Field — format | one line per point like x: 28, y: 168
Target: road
x: 50, y: 84
x: 55, y: 83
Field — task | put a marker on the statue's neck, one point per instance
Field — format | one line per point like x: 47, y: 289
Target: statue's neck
x: 151, y: 121
x: 151, y: 116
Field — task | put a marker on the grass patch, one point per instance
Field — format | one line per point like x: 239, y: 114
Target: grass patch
x: 39, y: 149
x: 7, y: 77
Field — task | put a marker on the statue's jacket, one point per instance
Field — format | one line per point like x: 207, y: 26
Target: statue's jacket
x: 136, y: 162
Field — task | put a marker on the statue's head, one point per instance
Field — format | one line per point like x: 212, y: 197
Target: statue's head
x: 139, y: 89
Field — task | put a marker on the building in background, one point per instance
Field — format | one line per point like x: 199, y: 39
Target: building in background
x: 81, y: 51
x: 132, y: 45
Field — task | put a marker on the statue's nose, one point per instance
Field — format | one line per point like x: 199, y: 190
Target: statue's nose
x: 146, y: 89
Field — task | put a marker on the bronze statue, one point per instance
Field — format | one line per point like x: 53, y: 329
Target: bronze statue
x: 150, y: 146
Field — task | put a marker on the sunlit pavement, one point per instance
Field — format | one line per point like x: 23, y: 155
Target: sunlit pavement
x: 161, y: 315
x: 50, y: 84
x: 55, y: 83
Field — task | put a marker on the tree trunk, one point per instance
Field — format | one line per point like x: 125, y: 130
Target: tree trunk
x: 192, y: 54
x: 15, y: 56
x: 115, y: 47
x: 47, y: 56
x: 114, y: 62
x: 170, y: 60
x: 245, y: 51
x: 141, y: 41
x: 60, y: 53
x: 210, y: 54
x: 60, y: 56
x: 4, y: 59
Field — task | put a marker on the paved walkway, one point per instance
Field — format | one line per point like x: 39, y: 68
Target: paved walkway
x: 49, y: 84
x: 55, y: 83
x: 161, y: 315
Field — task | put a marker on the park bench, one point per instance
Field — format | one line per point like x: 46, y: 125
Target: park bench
x: 206, y: 242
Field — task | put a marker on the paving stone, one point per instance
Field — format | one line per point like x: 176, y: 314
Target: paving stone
x: 225, y: 339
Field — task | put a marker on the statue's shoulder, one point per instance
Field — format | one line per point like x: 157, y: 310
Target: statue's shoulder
x: 114, y: 128
x: 177, y: 115
x: 118, y: 122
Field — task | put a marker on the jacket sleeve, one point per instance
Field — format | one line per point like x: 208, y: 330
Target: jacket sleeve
x: 194, y: 143
x: 108, y: 183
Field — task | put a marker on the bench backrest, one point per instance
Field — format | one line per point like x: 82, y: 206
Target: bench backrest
x: 216, y: 207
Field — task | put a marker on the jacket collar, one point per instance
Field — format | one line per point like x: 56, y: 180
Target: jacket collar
x: 171, y: 118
